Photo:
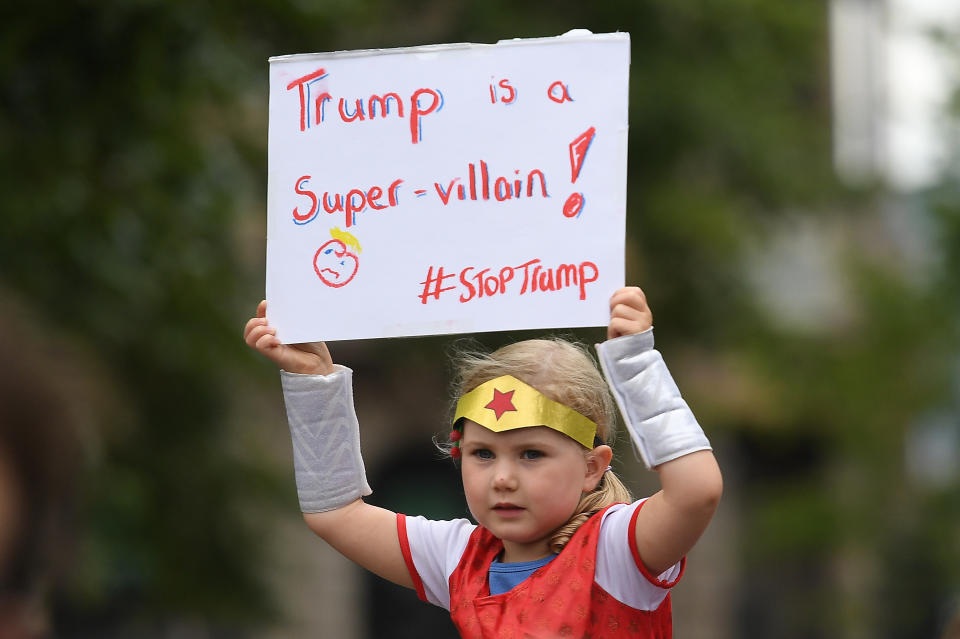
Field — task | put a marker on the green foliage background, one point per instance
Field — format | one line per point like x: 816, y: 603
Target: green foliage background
x: 132, y: 171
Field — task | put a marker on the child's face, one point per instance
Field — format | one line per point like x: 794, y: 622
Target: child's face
x: 522, y: 484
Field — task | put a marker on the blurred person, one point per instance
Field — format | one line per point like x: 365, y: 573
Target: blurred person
x: 952, y: 630
x: 38, y: 466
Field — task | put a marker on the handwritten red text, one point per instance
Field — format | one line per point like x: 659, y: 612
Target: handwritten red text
x: 349, y: 204
x: 313, y: 104
x: 479, y: 184
x: 509, y: 95
x: 530, y: 277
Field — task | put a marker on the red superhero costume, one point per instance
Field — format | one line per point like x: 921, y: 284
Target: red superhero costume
x: 561, y: 599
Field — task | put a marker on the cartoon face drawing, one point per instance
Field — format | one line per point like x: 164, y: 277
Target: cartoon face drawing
x: 334, y: 264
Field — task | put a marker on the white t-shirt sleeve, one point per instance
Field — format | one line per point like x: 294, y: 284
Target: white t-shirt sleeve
x: 432, y: 550
x: 619, y: 569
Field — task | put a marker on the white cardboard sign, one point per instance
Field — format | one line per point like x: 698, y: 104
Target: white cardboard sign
x: 447, y: 189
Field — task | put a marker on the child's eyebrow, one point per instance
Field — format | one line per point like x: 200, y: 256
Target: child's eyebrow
x: 482, y: 442
x: 476, y: 441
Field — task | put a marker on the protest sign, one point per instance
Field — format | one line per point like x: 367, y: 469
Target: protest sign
x: 447, y: 189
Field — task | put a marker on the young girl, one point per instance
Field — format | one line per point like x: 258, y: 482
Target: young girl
x: 559, y: 551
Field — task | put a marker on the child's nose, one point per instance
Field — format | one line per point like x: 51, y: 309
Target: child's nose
x: 504, y: 477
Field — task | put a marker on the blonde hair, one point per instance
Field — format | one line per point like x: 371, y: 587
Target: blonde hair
x: 567, y: 373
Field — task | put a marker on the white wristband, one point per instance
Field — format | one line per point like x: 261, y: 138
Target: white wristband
x: 661, y: 425
x: 326, y: 439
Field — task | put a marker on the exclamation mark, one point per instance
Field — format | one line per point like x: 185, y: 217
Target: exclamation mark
x: 578, y: 153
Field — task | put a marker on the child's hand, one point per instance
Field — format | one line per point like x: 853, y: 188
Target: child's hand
x: 309, y: 359
x: 629, y: 313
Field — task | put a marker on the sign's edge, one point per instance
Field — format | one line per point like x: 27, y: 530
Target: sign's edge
x: 574, y: 36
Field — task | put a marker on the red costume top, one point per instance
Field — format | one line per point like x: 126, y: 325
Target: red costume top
x: 560, y: 599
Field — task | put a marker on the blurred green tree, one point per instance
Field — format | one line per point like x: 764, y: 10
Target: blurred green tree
x: 132, y: 149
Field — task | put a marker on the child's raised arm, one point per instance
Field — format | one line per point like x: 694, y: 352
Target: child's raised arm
x: 326, y: 447
x: 666, y: 433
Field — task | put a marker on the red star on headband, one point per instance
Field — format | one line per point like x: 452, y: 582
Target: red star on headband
x: 501, y: 403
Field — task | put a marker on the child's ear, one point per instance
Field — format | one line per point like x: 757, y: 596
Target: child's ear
x: 598, y: 460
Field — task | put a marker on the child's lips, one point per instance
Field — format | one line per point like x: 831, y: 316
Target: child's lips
x: 506, y: 509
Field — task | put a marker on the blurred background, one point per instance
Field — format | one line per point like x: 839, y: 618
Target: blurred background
x: 794, y: 217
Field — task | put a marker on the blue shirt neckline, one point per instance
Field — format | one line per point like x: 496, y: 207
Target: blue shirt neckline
x: 505, y: 576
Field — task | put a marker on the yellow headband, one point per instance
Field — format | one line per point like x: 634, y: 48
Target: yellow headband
x: 506, y: 403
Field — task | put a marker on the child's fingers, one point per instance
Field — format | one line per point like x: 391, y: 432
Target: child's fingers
x: 628, y: 313
x: 258, y: 320
x: 257, y: 333
x: 630, y: 296
x: 309, y: 358
x: 621, y: 326
x: 252, y: 334
x: 631, y: 302
x: 618, y: 327
x: 266, y: 342
x: 252, y: 323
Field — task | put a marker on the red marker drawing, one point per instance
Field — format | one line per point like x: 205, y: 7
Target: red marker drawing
x: 334, y: 264
x: 578, y: 153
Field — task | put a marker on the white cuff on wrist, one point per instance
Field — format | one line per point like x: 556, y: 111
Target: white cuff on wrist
x: 326, y: 439
x: 660, y: 423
